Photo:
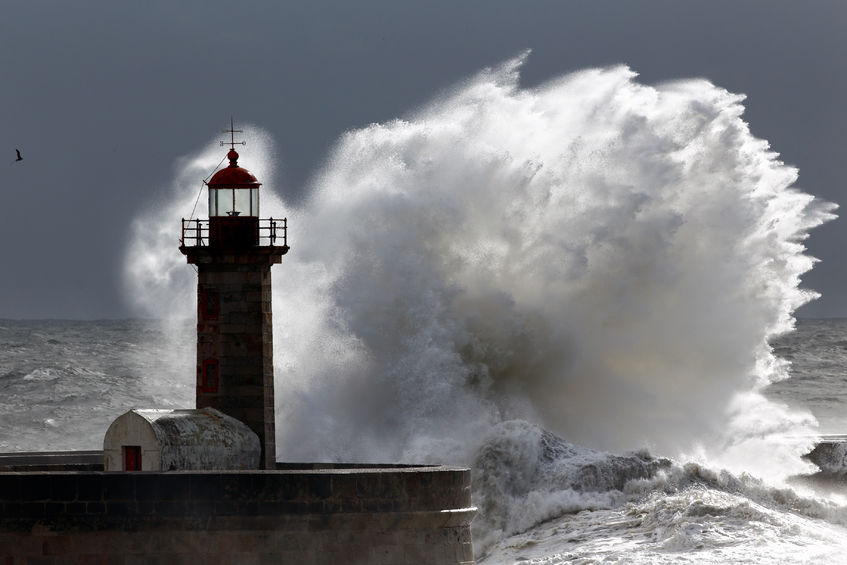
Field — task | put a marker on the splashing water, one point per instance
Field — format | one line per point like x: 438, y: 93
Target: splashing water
x: 544, y: 500
x: 604, y: 258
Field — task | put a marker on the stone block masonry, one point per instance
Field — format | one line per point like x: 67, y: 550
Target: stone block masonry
x: 234, y: 337
x: 318, y: 514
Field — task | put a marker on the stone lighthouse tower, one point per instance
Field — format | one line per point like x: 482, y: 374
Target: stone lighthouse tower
x: 233, y: 251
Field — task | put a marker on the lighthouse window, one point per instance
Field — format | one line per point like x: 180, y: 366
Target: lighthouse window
x: 209, y: 303
x: 254, y: 202
x: 210, y: 376
x: 213, y: 202
x: 242, y: 202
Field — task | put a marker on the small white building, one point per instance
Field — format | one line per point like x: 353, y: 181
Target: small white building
x: 179, y: 440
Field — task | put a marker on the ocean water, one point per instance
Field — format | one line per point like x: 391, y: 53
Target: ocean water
x: 583, y: 290
x: 63, y: 382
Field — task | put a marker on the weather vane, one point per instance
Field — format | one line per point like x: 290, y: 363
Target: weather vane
x: 232, y: 131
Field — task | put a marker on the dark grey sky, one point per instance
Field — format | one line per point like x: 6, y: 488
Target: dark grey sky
x: 102, y: 97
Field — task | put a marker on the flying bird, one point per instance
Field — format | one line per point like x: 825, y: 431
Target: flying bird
x: 18, y: 151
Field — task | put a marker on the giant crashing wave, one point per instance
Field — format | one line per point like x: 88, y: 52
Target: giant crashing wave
x: 603, y: 258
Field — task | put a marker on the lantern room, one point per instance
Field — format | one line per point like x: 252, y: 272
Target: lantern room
x: 233, y: 206
x: 233, y: 191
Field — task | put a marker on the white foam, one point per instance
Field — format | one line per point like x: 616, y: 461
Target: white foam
x: 603, y: 257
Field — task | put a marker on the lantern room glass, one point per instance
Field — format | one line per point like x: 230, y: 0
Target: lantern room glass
x: 234, y: 202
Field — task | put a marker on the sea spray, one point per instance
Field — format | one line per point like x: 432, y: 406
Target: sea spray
x: 530, y: 484
x: 604, y: 258
x: 646, y: 511
x: 524, y: 475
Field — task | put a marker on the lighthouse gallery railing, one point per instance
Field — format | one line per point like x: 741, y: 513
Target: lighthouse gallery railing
x: 272, y: 231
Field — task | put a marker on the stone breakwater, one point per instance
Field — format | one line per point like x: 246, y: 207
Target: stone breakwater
x: 302, y: 513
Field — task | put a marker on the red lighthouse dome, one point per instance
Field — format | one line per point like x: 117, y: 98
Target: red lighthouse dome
x: 233, y: 176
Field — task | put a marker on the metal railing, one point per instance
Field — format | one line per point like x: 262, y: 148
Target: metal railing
x: 195, y: 233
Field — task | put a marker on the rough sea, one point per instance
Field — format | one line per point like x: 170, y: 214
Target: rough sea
x: 542, y: 499
x: 584, y: 291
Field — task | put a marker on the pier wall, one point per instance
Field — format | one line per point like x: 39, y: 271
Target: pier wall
x: 305, y: 514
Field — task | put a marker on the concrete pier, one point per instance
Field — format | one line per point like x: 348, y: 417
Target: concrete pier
x: 299, y: 513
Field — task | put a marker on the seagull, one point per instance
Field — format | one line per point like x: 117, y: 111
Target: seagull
x: 18, y: 151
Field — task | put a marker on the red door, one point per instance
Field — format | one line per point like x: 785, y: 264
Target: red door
x: 132, y: 458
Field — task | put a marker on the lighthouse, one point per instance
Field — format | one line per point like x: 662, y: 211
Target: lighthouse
x: 233, y: 250
x: 209, y: 474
